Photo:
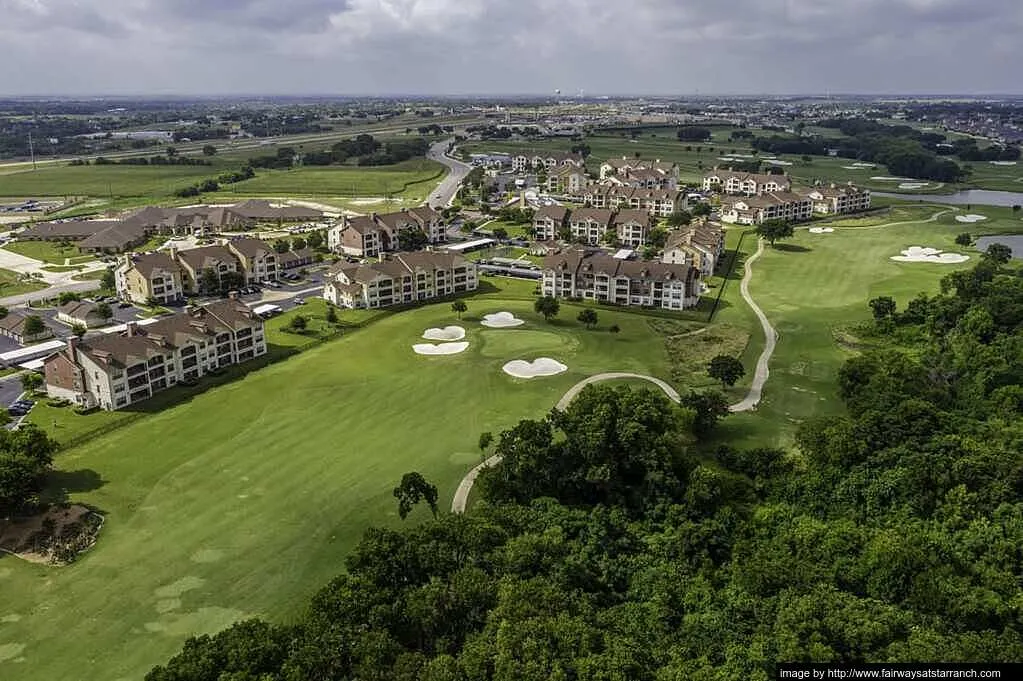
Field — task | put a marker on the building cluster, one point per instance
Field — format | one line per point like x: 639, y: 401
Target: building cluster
x: 753, y: 198
x: 118, y: 236
x: 625, y: 227
x: 114, y: 371
x: 367, y: 236
x: 167, y: 277
x: 595, y: 275
x: 400, y: 278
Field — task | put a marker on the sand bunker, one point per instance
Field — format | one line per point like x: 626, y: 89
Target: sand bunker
x: 913, y: 185
x: 441, y: 349
x: 1003, y: 163
x: 922, y: 254
x: 884, y: 178
x: 821, y: 230
x: 777, y: 163
x: 501, y: 320
x: 860, y: 164
x: 971, y: 218
x: 448, y: 333
x: 541, y: 366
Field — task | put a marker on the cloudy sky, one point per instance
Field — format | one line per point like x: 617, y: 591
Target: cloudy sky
x: 509, y: 46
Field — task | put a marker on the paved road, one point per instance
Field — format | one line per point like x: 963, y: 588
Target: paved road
x: 445, y: 192
x: 762, y: 372
x: 78, y: 286
x: 465, y: 486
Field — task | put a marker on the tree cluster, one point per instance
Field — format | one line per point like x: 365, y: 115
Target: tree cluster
x: 26, y: 455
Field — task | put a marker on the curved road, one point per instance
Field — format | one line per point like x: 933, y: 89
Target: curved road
x: 445, y: 192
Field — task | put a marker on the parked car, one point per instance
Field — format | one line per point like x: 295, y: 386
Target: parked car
x: 299, y: 301
x: 123, y: 305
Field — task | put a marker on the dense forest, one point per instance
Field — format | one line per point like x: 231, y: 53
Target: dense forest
x: 613, y: 543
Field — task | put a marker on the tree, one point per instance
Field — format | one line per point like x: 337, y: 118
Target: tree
x: 298, y: 243
x: 66, y: 297
x: 104, y: 311
x: 998, y: 253
x: 412, y: 239
x: 209, y: 150
x: 26, y: 455
x: 680, y: 218
x: 3, y: 311
x: 232, y: 281
x: 282, y: 245
x: 108, y: 281
x: 500, y: 233
x: 331, y: 316
x: 486, y: 439
x: 298, y: 323
x: 772, y: 230
x: 588, y: 317
x: 79, y: 330
x: 548, y: 306
x: 708, y: 408
x: 314, y: 239
x: 964, y: 239
x: 458, y: 307
x: 614, y: 328
x: 209, y: 281
x: 656, y: 238
x: 701, y: 209
x: 413, y: 489
x: 883, y: 307
x: 30, y: 381
x: 171, y: 152
x: 726, y: 369
x: 34, y: 325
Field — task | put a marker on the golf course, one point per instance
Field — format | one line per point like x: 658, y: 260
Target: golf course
x: 246, y: 498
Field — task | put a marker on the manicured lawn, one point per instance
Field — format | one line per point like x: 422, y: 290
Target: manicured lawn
x: 815, y: 287
x: 410, y: 178
x: 47, y: 251
x: 11, y: 284
x: 112, y: 181
x: 245, y: 499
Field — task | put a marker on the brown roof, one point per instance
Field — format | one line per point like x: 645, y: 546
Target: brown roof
x: 74, y: 229
x: 556, y: 213
x: 148, y: 262
x: 200, y: 258
x: 118, y: 236
x: 424, y: 213
x: 599, y: 262
x: 14, y: 322
x: 250, y: 248
x: 79, y: 309
x: 633, y: 215
x: 601, y: 215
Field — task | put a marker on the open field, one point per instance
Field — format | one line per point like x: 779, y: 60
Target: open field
x: 815, y: 287
x: 47, y: 251
x: 106, y: 181
x: 245, y: 499
x: 11, y: 284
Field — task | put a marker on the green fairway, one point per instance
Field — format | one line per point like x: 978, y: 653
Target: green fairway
x: 814, y: 288
x: 11, y: 284
x: 246, y: 499
x: 413, y: 179
x: 48, y: 251
x: 104, y: 181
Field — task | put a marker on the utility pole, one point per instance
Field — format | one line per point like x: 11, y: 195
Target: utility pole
x: 32, y: 151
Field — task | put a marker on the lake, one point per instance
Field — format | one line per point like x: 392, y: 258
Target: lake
x: 1013, y: 241
x: 978, y: 197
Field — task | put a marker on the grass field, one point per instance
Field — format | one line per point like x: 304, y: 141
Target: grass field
x: 11, y: 284
x: 814, y: 287
x: 48, y: 251
x: 411, y: 180
x: 245, y: 499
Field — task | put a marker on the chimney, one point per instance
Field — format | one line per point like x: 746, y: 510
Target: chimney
x: 131, y: 329
x: 173, y: 252
x: 72, y: 349
x: 127, y: 259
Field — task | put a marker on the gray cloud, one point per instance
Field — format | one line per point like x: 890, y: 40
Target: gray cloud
x: 502, y: 46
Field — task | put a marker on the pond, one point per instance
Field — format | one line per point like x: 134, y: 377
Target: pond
x: 1013, y: 241
x: 979, y: 197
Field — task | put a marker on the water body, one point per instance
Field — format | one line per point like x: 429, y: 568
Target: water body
x: 978, y: 197
x: 1013, y: 241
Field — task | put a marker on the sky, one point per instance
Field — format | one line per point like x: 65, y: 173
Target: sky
x: 491, y: 47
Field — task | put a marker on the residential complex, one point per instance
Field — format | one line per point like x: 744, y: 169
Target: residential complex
x: 755, y: 210
x: 746, y: 184
x: 149, y: 276
x: 658, y: 202
x: 596, y: 276
x: 116, y: 370
x: 700, y: 245
x: 368, y: 236
x: 400, y: 278
x: 13, y: 325
x: 837, y: 199
x: 648, y: 174
x: 195, y: 261
x: 547, y: 160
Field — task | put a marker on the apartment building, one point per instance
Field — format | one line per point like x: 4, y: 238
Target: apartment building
x: 140, y: 277
x: 746, y: 184
x: 596, y: 276
x: 566, y: 179
x: 590, y: 225
x: 548, y: 221
x: 657, y: 202
x: 663, y: 174
x: 547, y: 160
x: 837, y: 199
x: 195, y: 260
x: 368, y: 236
x: 400, y: 278
x: 114, y: 371
x: 755, y: 210
x: 632, y: 226
x: 699, y: 245
x: 259, y: 261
